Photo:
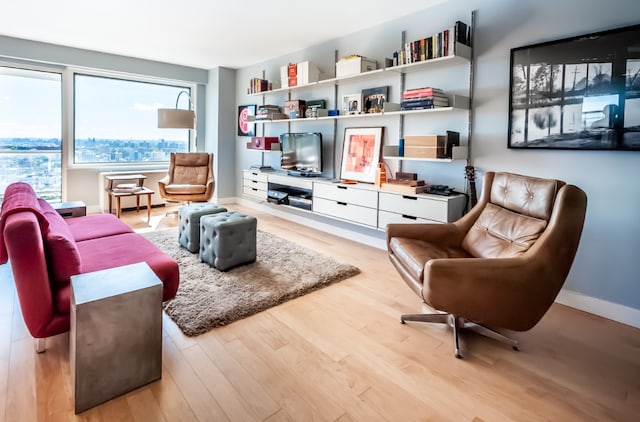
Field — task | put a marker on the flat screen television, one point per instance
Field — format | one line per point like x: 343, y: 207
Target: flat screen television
x: 301, y: 153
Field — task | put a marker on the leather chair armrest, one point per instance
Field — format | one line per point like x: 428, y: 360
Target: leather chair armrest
x: 515, y: 291
x: 444, y: 234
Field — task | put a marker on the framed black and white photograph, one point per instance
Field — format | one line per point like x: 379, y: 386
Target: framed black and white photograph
x: 351, y: 104
x: 373, y: 99
x: 577, y: 93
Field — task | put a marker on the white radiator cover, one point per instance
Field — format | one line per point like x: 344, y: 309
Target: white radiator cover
x: 151, y: 182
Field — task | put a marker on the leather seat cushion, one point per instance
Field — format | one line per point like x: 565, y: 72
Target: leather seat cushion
x: 500, y: 233
x: 414, y: 254
x: 185, y: 189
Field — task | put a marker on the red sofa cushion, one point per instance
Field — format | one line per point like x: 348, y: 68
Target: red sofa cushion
x: 60, y: 248
x: 96, y: 226
x: 130, y: 248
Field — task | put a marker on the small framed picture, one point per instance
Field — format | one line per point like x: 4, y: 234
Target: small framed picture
x: 352, y: 104
x: 373, y: 99
x: 361, y: 153
x: 245, y: 126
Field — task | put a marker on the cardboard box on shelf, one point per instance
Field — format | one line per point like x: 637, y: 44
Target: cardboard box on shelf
x: 353, y: 65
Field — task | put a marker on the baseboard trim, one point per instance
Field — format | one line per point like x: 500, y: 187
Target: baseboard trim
x: 614, y: 311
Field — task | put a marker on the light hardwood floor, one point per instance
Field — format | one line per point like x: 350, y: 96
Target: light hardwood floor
x: 341, y: 354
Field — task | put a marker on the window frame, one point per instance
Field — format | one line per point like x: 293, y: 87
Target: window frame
x: 21, y: 65
x: 71, y: 74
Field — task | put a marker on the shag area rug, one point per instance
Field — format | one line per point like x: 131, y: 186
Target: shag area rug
x: 208, y: 298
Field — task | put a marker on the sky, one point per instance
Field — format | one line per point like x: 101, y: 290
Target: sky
x: 106, y: 108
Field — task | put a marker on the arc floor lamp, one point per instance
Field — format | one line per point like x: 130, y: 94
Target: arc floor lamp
x: 176, y: 118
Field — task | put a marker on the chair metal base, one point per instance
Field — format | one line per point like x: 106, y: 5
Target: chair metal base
x: 458, y: 322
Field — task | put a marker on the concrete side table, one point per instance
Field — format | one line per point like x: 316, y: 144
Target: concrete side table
x: 70, y: 208
x: 116, y: 333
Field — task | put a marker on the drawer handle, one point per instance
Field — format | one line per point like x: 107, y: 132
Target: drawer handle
x: 409, y: 217
x: 254, y: 181
x: 254, y: 189
x: 255, y: 174
x: 341, y: 187
x: 415, y: 198
x: 341, y: 203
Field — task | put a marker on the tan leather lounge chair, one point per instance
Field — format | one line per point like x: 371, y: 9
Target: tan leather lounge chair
x: 190, y: 178
x: 502, y: 264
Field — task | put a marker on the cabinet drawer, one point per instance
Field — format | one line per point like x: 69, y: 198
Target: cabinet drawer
x: 350, y: 195
x: 298, y: 182
x: 386, y: 217
x: 255, y: 184
x: 255, y: 175
x: 255, y: 192
x: 416, y: 206
x: 354, y: 213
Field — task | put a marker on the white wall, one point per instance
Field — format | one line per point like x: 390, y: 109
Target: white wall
x: 606, y: 267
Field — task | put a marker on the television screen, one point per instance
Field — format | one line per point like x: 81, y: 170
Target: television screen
x: 302, y: 152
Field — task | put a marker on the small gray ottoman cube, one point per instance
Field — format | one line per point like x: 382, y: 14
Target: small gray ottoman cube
x: 189, y: 223
x: 228, y: 239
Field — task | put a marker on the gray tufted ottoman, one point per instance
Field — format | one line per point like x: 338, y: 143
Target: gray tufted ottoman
x: 189, y: 223
x: 228, y: 239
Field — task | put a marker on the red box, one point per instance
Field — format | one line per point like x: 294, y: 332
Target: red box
x: 263, y: 142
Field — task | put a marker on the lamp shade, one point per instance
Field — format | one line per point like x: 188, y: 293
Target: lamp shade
x: 174, y: 118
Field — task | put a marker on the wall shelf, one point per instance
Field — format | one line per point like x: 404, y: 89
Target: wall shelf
x: 390, y: 152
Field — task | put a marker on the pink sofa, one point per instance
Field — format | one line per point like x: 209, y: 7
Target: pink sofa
x: 45, y: 250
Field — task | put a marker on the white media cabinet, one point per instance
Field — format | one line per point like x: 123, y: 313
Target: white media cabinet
x: 362, y: 204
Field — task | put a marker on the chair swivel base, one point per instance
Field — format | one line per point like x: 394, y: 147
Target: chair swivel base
x: 456, y: 323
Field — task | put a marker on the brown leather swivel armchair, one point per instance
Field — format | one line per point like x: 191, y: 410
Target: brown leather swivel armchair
x: 502, y: 264
x: 190, y: 178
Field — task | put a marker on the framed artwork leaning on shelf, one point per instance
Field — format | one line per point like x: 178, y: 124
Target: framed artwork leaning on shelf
x: 373, y: 99
x: 361, y: 153
x: 245, y: 127
x: 351, y: 104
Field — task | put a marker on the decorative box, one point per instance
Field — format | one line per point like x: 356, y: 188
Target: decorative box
x: 302, y: 73
x: 425, y: 146
x: 295, y: 108
x: 264, y: 142
x: 354, y: 64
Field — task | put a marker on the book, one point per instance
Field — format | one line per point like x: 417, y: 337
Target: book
x: 402, y: 188
x: 423, y: 103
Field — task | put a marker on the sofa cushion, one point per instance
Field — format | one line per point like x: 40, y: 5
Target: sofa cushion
x: 96, y: 226
x: 62, y: 253
x: 130, y: 248
x: 19, y: 197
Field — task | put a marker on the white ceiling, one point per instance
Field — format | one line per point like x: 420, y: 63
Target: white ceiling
x: 197, y: 33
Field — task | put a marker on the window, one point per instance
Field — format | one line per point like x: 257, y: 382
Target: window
x: 116, y: 121
x: 31, y: 130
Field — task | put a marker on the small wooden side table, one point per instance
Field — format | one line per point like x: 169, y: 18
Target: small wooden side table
x: 139, y: 178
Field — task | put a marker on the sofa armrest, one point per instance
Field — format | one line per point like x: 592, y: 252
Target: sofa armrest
x: 25, y: 248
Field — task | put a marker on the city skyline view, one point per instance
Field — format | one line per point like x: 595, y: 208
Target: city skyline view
x: 114, y: 121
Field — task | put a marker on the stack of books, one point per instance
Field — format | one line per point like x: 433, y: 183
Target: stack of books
x: 127, y: 188
x: 421, y: 98
x: 405, y: 186
x: 270, y: 112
